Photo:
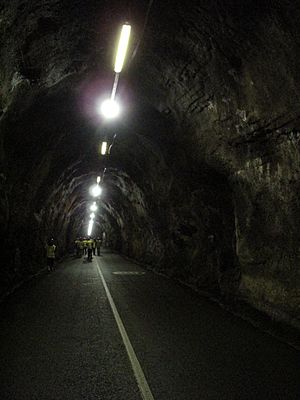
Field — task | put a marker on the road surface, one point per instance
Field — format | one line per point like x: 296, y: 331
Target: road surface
x: 110, y: 330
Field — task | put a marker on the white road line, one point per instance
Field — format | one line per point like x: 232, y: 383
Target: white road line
x: 136, y: 366
x: 129, y: 273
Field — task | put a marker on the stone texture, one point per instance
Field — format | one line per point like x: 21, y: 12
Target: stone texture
x: 203, y: 179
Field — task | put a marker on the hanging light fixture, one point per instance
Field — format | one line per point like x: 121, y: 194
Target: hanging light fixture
x: 110, y: 108
x: 103, y: 148
x: 96, y: 190
x: 122, y: 48
x: 94, y: 207
x: 90, y: 227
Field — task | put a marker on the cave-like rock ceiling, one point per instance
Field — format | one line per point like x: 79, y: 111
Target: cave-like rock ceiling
x: 202, y: 182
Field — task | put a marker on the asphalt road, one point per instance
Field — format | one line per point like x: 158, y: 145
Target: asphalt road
x: 59, y: 339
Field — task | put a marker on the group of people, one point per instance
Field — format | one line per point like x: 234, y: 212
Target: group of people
x: 88, y: 246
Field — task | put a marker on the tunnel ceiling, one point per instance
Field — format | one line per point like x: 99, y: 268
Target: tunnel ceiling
x: 203, y: 176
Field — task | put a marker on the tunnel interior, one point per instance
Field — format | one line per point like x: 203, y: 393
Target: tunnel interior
x: 202, y: 180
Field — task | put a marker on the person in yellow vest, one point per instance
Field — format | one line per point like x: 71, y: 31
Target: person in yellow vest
x: 50, y: 248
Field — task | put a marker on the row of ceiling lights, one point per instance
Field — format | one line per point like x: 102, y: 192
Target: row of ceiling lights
x: 110, y: 109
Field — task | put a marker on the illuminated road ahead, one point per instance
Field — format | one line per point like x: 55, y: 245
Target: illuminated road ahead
x: 60, y: 340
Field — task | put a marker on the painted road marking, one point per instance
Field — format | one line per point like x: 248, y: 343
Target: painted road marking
x: 129, y: 273
x: 135, y: 364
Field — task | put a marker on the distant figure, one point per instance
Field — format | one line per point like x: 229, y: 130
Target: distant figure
x: 50, y: 248
x: 81, y: 247
x: 77, y: 247
x: 98, y: 245
x: 94, y: 246
x: 85, y: 240
x: 89, y: 244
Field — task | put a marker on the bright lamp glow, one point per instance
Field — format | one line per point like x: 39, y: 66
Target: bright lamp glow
x: 90, y: 227
x: 96, y: 190
x: 93, y: 207
x: 98, y: 179
x: 92, y: 216
x: 110, y: 109
x: 103, y: 148
x: 122, y: 48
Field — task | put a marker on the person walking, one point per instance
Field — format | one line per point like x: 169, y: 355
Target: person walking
x: 81, y: 247
x: 50, y: 248
x: 77, y: 248
x: 85, y: 240
x: 94, y: 246
x: 89, y: 249
x: 98, y: 245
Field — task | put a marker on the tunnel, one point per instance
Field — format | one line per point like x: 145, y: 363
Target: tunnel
x: 200, y: 186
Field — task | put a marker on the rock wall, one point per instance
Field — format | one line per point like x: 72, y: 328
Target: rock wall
x: 203, y: 179
x: 227, y: 77
x: 267, y: 213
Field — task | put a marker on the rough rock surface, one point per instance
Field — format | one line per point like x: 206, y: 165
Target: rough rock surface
x: 203, y: 178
